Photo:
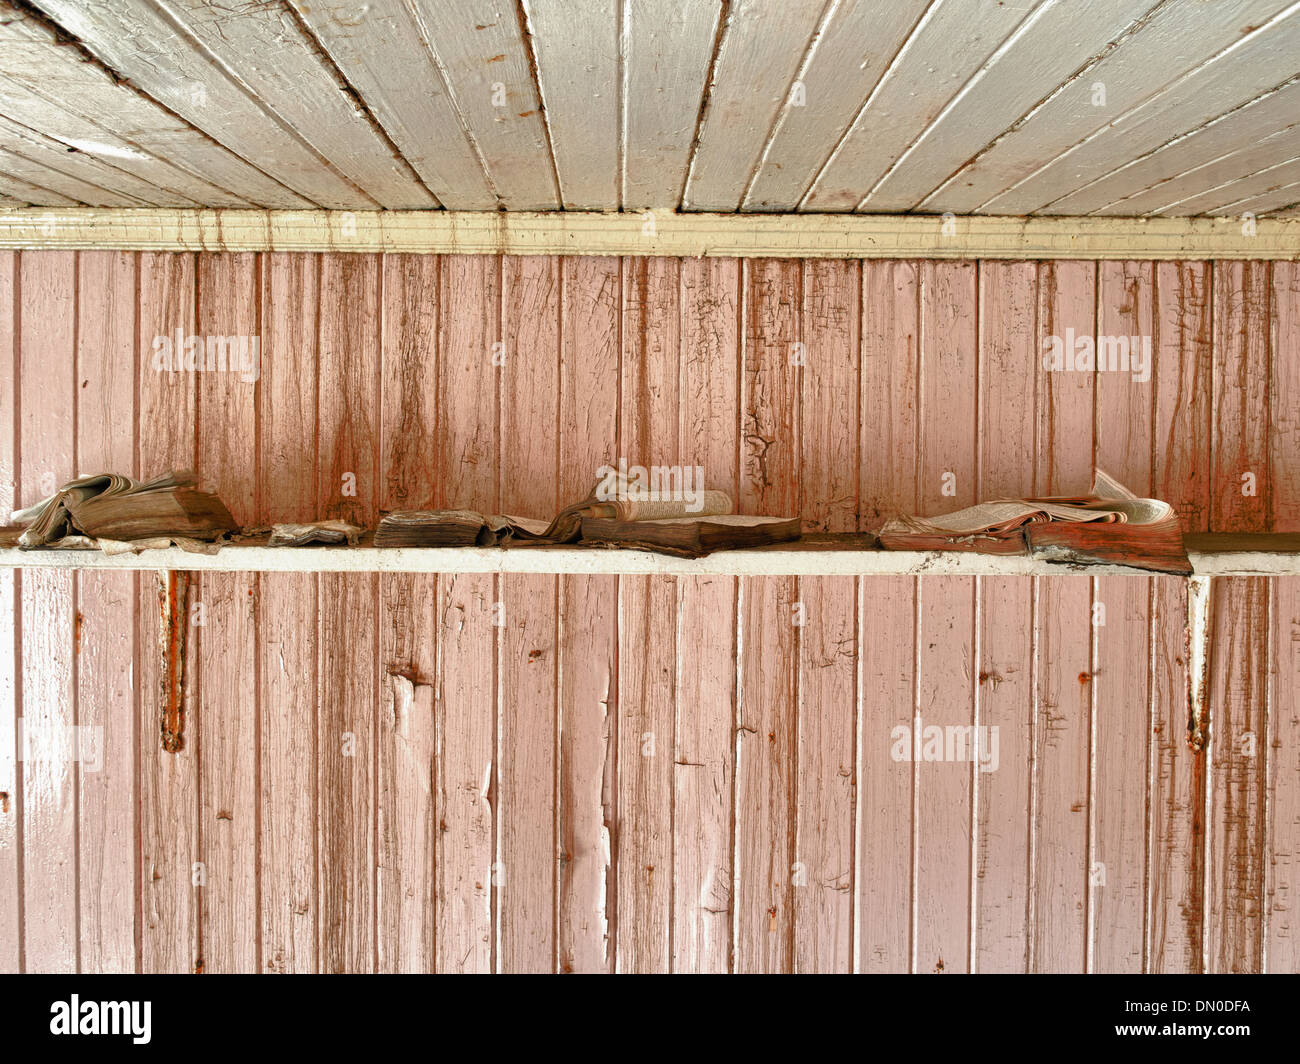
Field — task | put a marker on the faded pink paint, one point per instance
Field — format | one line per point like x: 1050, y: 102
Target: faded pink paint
x: 603, y: 784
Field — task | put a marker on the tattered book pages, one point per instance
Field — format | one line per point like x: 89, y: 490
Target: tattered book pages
x: 1110, y: 525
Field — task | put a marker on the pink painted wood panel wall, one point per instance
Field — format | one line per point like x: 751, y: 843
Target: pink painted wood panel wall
x: 477, y: 773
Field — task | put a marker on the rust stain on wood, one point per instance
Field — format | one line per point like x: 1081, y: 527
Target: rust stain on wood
x: 173, y: 606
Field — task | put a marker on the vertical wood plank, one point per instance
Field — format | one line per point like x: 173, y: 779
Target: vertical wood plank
x: 10, y: 809
x: 287, y: 389
x: 704, y: 764
x: 1067, y: 306
x: 349, y: 488
x: 1238, y: 689
x: 827, y: 725
x: 406, y: 836
x: 228, y: 791
x: 1282, y: 831
x: 348, y: 377
x: 1241, y: 484
x: 48, y: 748
x: 530, y: 657
x: 1009, y: 357
x: 345, y: 771
x: 406, y: 755
x: 826, y: 790
x: 1062, y: 717
x: 891, y: 362
x: 409, y: 392
x: 946, y: 456
x: 647, y: 627
x: 649, y: 435
x: 1004, y: 777
x: 766, y: 774
x: 1125, y: 403
x: 1183, y: 370
x: 1121, y: 726
x: 829, y: 437
x: 1121, y: 735
x: 770, y: 379
x: 1175, y: 880
x: 464, y: 799
x: 1010, y: 351
x: 588, y: 383
x: 287, y: 759
x: 229, y: 326
x: 229, y: 321
x: 287, y: 619
x: 883, y: 873
x: 469, y: 290
x: 106, y: 366
x: 767, y: 735
x: 703, y: 774
x: 168, y: 778
x: 943, y: 769
x: 1284, y: 397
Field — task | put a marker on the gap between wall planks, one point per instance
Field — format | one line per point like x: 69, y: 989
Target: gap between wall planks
x: 652, y: 233
x: 638, y: 773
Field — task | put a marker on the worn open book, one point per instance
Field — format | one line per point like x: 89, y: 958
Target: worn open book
x: 1110, y: 525
x: 110, y: 507
x: 689, y: 528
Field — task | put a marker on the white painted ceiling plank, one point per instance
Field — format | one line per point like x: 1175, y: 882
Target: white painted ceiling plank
x: 1165, y: 46
x: 948, y: 47
x: 1225, y: 136
x: 669, y: 49
x: 762, y: 48
x: 1062, y: 37
x: 380, y: 51
x: 481, y: 46
x: 860, y: 40
x: 1164, y: 197
x: 54, y: 88
x: 15, y: 164
x: 133, y: 39
x: 127, y: 189
x: 1233, y: 196
x: 21, y: 192
x: 1278, y: 202
x: 152, y: 155
x: 1264, y: 58
x: 263, y: 48
x: 578, y: 46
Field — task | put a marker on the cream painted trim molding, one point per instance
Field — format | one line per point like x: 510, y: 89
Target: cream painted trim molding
x: 653, y: 233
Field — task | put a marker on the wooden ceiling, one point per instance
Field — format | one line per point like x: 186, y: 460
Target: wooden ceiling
x: 1007, y: 107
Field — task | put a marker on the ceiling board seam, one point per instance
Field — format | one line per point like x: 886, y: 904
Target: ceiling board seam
x: 1162, y: 91
x: 23, y: 132
x: 1226, y: 184
x: 725, y: 15
x: 64, y: 39
x: 800, y: 74
x: 1097, y: 212
x: 51, y: 168
x: 354, y: 96
x: 231, y: 75
x: 624, y: 47
x: 888, y: 72
x: 1018, y: 32
x: 41, y: 188
x: 1171, y: 142
x: 525, y: 20
x: 422, y: 32
x: 1020, y: 122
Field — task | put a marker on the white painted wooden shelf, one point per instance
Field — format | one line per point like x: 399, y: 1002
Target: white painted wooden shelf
x: 1211, y: 555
